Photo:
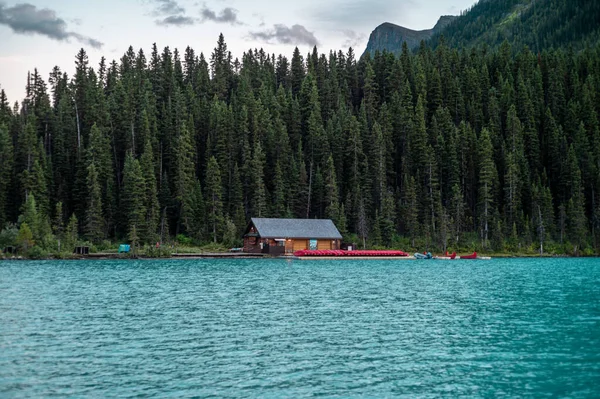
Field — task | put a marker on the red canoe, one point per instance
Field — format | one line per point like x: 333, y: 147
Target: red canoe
x: 330, y: 252
x: 472, y: 256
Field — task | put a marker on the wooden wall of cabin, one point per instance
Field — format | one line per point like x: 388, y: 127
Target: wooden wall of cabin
x: 252, y: 245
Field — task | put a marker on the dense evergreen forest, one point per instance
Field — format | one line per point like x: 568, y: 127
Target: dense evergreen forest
x: 489, y: 150
x: 539, y: 24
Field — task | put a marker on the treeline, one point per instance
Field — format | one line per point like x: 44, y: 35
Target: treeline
x: 444, y: 148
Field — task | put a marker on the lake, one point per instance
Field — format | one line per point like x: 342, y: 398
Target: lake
x: 280, y: 328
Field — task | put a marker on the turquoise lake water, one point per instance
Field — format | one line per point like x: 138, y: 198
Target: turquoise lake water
x: 277, y: 328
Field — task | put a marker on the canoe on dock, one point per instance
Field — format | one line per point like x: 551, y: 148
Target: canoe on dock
x: 344, y: 253
x: 475, y: 256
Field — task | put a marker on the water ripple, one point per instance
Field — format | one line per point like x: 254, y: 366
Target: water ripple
x: 273, y: 328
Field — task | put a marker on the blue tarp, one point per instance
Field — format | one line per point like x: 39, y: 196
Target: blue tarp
x: 124, y: 248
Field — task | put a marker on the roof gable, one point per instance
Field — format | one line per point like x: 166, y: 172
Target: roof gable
x: 296, y: 228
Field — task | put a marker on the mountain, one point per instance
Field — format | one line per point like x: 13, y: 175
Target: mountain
x: 539, y: 24
x: 388, y: 36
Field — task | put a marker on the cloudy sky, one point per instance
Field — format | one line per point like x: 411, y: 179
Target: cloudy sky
x: 46, y: 33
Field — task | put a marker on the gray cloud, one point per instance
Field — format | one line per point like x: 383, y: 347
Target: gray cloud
x: 171, y: 13
x: 176, y: 20
x: 353, y: 38
x: 168, y: 7
x: 27, y: 19
x: 296, y: 34
x: 227, y: 15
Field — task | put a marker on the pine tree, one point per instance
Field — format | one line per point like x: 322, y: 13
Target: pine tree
x: 214, y: 204
x: 378, y: 166
x: 457, y: 212
x: 488, y: 178
x: 279, y: 197
x: 236, y: 201
x: 132, y: 198
x: 6, y: 168
x: 575, y: 210
x: 71, y: 234
x: 25, y: 237
x: 297, y: 71
x: 94, y: 229
x: 259, y: 197
x: 332, y: 201
x: 387, y: 219
x: 410, y: 211
x: 31, y: 216
x: 151, y: 195
x: 134, y: 240
x: 184, y: 179
x: 513, y: 176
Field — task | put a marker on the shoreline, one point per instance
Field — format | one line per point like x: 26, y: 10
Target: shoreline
x: 238, y: 255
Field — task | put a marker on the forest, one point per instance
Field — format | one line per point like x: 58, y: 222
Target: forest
x: 494, y: 150
x: 539, y: 24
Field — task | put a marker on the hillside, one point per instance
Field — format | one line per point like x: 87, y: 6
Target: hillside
x: 390, y: 37
x: 539, y: 24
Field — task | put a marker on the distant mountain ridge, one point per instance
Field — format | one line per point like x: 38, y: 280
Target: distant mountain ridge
x: 390, y: 37
x: 538, y: 24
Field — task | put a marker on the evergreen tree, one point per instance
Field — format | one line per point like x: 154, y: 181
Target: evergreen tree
x: 25, y: 237
x: 31, y: 216
x: 488, y: 178
x: 387, y: 219
x: 71, y: 234
x: 132, y: 198
x: 151, y: 195
x: 94, y: 229
x: 6, y: 168
x: 214, y: 204
x: 259, y: 197
x: 332, y: 207
x: 410, y: 211
x: 279, y: 197
x: 184, y: 180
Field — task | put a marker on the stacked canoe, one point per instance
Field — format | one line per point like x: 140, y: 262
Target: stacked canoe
x: 340, y: 252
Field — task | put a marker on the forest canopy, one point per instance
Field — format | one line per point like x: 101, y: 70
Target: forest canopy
x: 493, y: 149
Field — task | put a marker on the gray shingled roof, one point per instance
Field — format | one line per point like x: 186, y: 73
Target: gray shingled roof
x: 296, y: 228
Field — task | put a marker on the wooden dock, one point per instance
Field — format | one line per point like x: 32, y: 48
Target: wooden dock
x: 203, y: 255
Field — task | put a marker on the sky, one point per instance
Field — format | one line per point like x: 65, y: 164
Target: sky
x: 47, y: 33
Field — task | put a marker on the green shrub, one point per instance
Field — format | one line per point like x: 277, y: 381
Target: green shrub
x: 160, y: 252
x: 183, y: 239
x: 36, y: 252
x: 8, y: 235
x: 105, y: 245
x: 214, y: 247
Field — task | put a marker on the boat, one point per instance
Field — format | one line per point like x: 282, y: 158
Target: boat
x: 475, y: 256
x: 427, y: 255
x: 472, y: 256
x: 446, y: 256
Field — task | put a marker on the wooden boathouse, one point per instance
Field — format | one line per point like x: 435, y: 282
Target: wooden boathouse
x: 284, y: 236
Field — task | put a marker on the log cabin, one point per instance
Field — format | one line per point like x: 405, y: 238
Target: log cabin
x: 285, y: 236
